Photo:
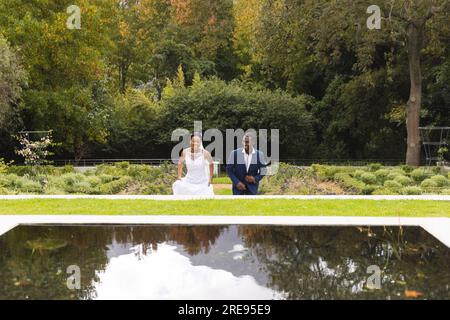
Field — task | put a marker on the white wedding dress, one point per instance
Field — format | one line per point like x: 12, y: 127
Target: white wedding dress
x: 196, y: 180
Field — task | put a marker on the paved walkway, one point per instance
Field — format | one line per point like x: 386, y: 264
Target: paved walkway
x: 438, y: 227
x: 171, y: 197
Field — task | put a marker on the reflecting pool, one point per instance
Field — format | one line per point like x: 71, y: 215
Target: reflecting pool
x: 222, y: 262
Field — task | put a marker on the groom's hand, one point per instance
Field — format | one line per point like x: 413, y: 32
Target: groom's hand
x: 240, y: 186
x: 250, y: 179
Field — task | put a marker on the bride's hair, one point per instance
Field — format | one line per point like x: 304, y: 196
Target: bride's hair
x: 199, y: 135
x: 196, y: 134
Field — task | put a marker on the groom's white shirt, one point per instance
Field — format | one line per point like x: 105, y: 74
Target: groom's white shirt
x: 248, y: 157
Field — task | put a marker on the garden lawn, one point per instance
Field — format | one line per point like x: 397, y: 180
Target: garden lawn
x: 264, y: 207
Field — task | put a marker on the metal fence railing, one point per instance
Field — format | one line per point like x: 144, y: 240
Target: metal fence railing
x: 95, y: 162
x: 299, y: 162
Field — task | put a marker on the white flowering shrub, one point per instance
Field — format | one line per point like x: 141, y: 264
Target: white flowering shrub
x: 35, y: 153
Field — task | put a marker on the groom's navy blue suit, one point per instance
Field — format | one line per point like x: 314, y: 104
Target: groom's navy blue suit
x: 237, y: 171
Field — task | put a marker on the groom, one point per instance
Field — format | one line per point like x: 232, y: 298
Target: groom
x: 244, y: 168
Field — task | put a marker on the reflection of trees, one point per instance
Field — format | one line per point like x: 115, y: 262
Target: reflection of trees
x: 195, y: 239
x: 303, y: 262
x: 330, y: 262
x: 24, y: 274
x: 42, y: 275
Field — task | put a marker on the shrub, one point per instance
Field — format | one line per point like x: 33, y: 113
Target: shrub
x: 53, y: 191
x: 68, y: 182
x: 324, y: 172
x: 394, y: 173
x: 109, y: 170
x: 3, y: 166
x: 248, y: 104
x: 82, y: 187
x: 106, y: 178
x: 407, y: 168
x: 411, y: 190
x: 445, y: 192
x: 42, y: 179
x: 20, y: 170
x: 67, y: 169
x: 90, y: 172
x: 15, y: 183
x: 11, y: 181
x: 374, y: 166
x: 399, y: 171
x: 436, y: 170
x: 348, y: 182
x: 3, y: 181
x: 358, y: 173
x: 369, y: 189
x: 418, y: 175
x: 140, y: 172
x: 33, y: 170
x: 94, y: 180
x: 403, y: 180
x: 428, y: 183
x: 368, y: 178
x: 392, y: 184
x: 381, y: 174
x: 385, y: 191
x: 291, y: 179
x: 158, y: 187
x: 122, y: 165
x: 115, y: 186
x: 30, y: 186
x: 71, y: 179
x: 440, y: 180
x: 3, y: 191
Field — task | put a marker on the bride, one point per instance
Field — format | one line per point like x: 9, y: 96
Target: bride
x: 200, y: 169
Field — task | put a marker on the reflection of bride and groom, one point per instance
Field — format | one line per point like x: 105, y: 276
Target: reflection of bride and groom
x: 244, y: 167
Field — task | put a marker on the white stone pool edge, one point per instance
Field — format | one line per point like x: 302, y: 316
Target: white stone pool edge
x: 438, y: 227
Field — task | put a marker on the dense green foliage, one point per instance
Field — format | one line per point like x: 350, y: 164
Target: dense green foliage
x: 133, y: 72
x: 123, y: 178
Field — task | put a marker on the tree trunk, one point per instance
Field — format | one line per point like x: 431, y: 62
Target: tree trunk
x: 415, y: 44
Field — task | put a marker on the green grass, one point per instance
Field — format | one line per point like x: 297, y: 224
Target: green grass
x: 265, y: 207
x: 222, y: 180
x: 223, y: 192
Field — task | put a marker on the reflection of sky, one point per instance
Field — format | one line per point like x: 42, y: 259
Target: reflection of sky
x: 116, y: 249
x: 166, y: 274
x: 229, y: 253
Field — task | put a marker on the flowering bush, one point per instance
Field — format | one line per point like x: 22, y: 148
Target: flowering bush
x: 34, y: 152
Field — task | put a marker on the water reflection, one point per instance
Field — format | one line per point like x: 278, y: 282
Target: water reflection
x: 222, y: 262
x: 167, y: 274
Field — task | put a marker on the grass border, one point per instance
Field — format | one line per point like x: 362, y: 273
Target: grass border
x: 236, y: 207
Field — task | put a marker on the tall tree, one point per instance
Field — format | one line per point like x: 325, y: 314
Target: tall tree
x: 333, y: 37
x: 207, y: 28
x: 12, y: 79
x: 139, y: 26
x: 246, y: 16
x: 66, y: 67
x: 412, y: 19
